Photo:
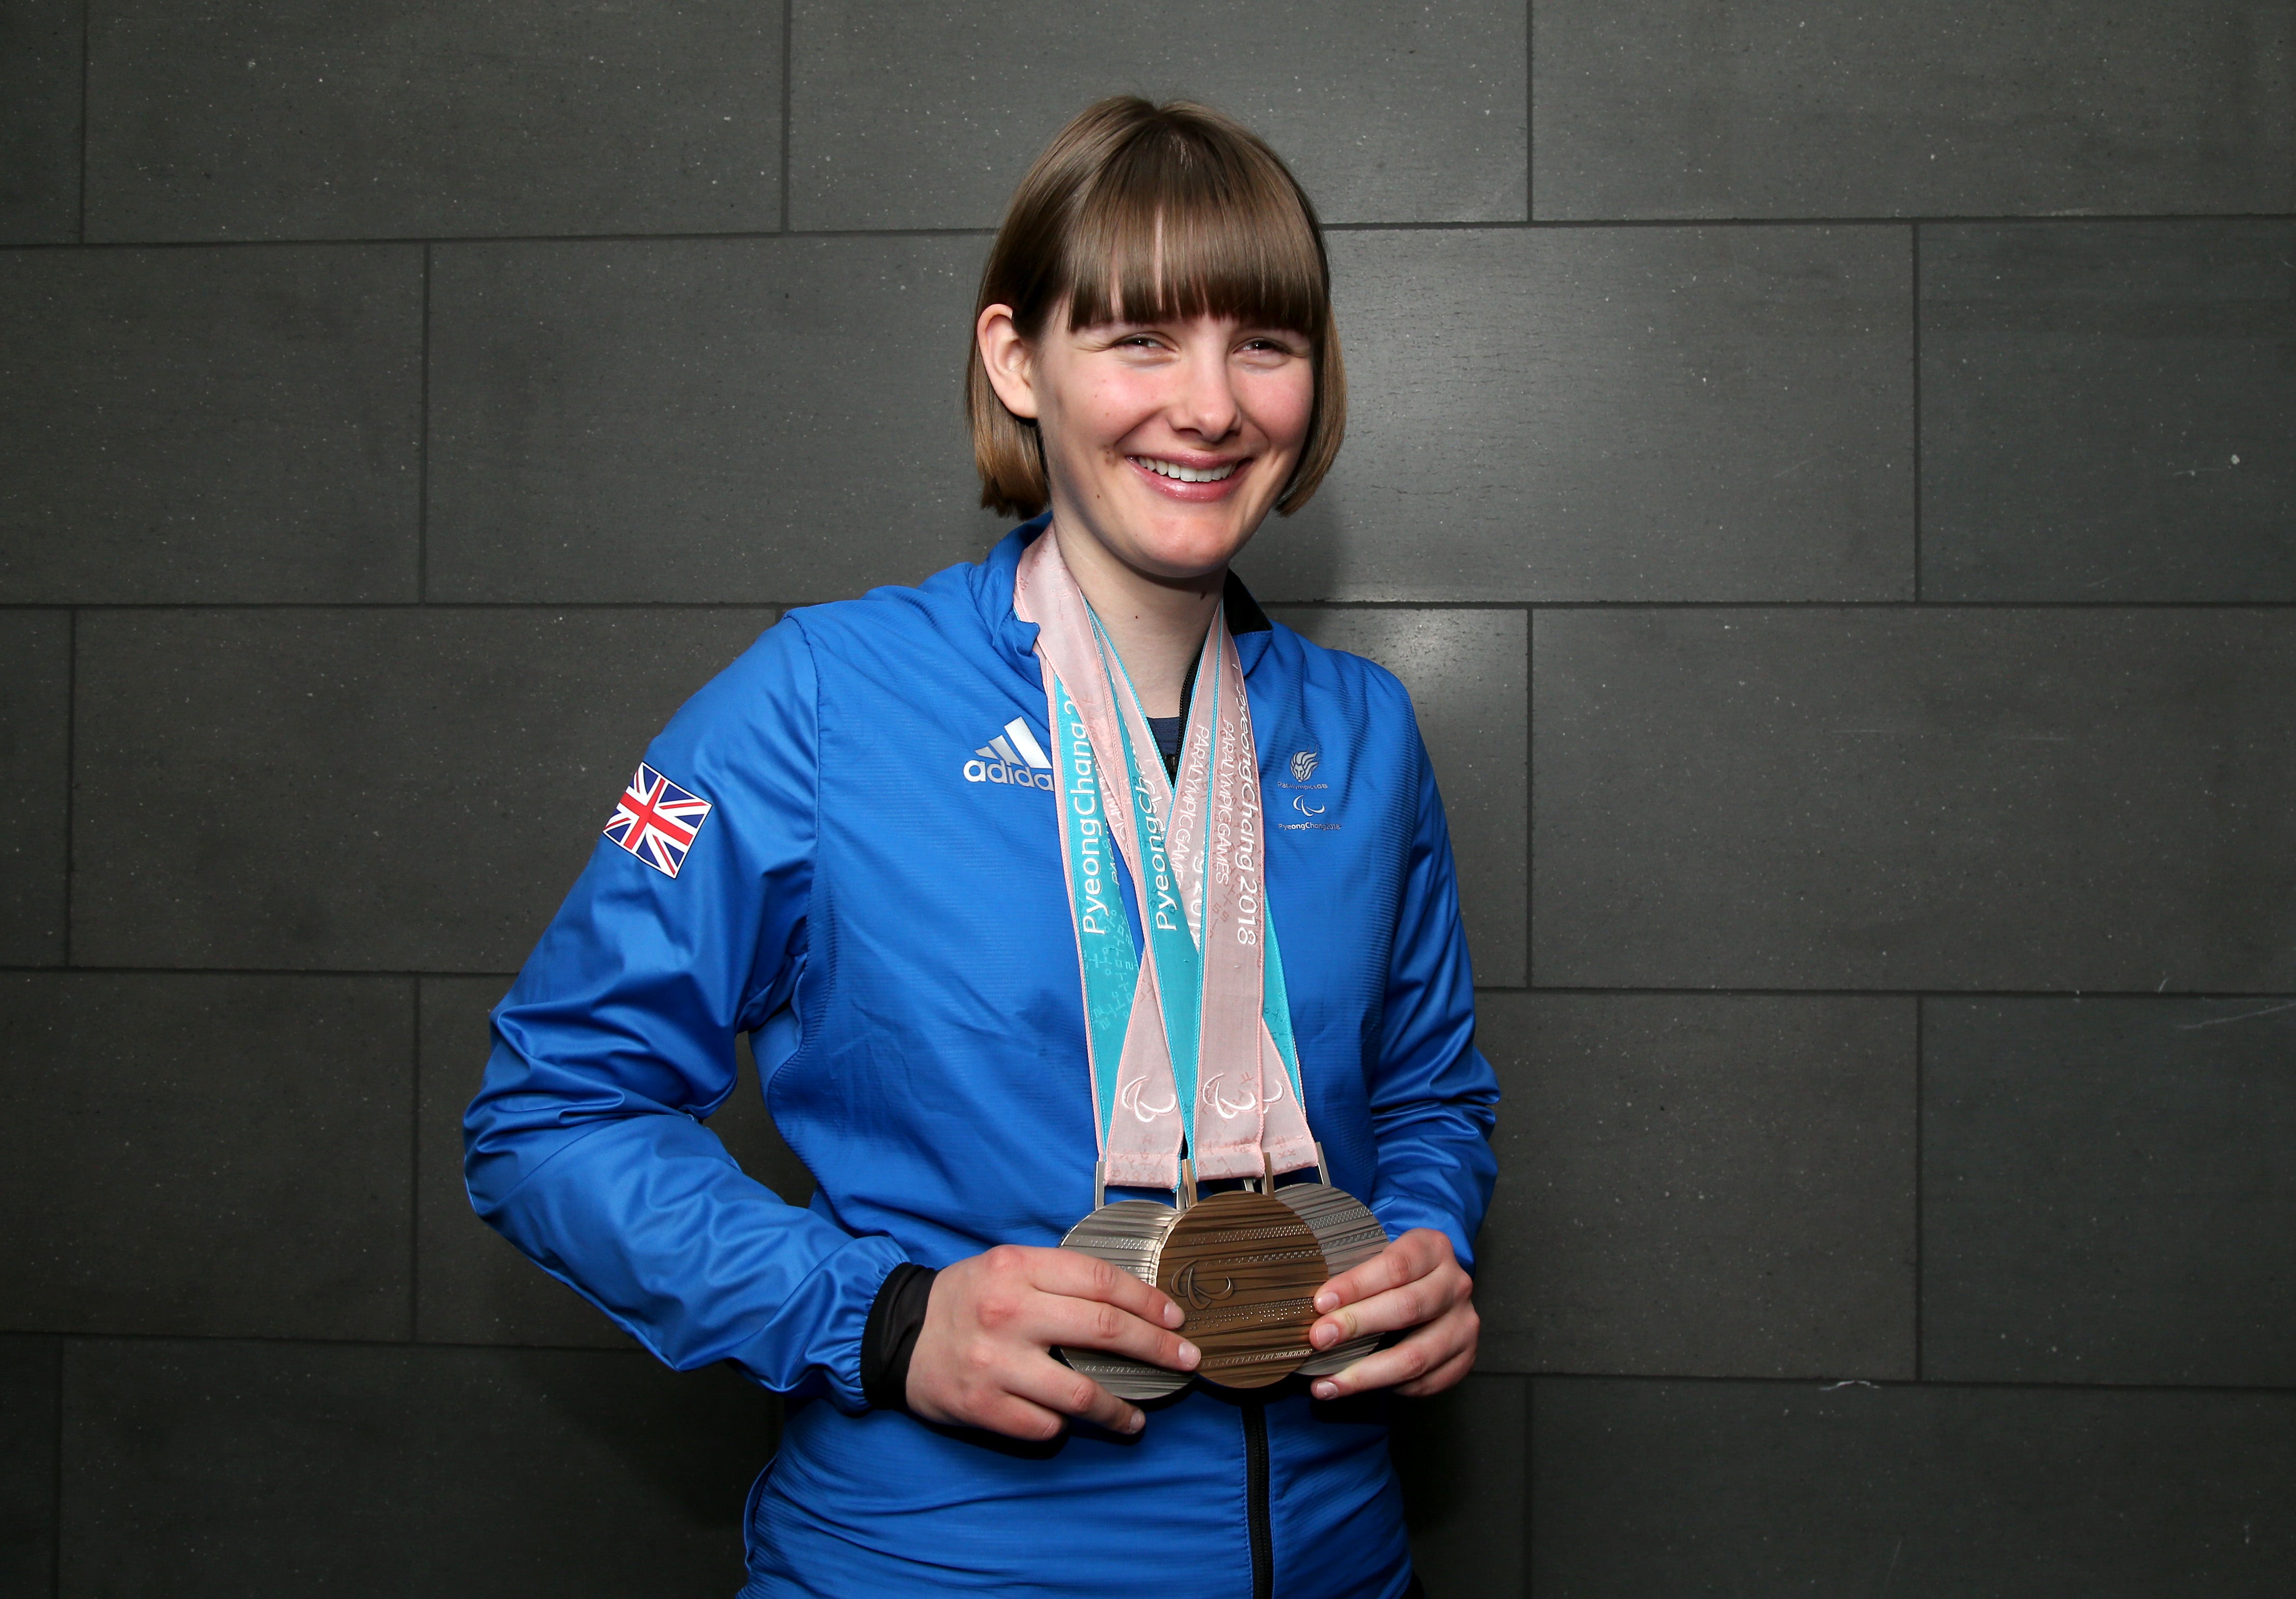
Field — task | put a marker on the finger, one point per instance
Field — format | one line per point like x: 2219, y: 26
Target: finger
x: 1445, y: 1375
x: 1097, y: 1325
x: 1016, y: 1417
x: 1412, y: 1256
x: 1056, y: 1387
x: 1417, y: 1302
x: 1080, y: 1276
x: 1427, y: 1350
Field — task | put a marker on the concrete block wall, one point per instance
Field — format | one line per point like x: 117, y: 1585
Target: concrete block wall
x: 1824, y: 476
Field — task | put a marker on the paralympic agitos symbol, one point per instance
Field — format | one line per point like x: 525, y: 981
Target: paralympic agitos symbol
x: 1197, y: 1298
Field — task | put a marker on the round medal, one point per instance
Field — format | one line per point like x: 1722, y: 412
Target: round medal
x: 1244, y: 1269
x: 1128, y: 1235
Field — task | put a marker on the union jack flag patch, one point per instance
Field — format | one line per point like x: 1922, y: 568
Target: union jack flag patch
x: 656, y: 821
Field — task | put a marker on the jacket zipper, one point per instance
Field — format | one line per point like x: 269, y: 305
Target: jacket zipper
x: 1255, y: 1497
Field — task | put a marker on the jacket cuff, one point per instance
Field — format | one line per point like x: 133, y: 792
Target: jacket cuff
x: 890, y: 1337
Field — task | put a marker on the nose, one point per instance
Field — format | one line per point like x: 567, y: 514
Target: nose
x: 1206, y: 404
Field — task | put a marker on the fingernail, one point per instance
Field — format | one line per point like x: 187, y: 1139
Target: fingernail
x: 1321, y: 1335
x: 1189, y: 1353
x: 1326, y: 1301
x: 1135, y: 1422
x: 1172, y: 1314
x: 1324, y: 1391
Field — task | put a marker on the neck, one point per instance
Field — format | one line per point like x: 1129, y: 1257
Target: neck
x: 1157, y: 624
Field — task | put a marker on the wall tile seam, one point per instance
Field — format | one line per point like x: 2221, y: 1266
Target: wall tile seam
x: 72, y: 766
x: 415, y: 1186
x: 262, y: 973
x: 789, y: 102
x: 86, y: 29
x: 387, y: 606
x: 1921, y: 1158
x: 1930, y: 605
x: 1893, y: 219
x: 447, y: 240
x: 194, y: 1341
x: 1274, y: 601
x: 77, y: 1338
x: 1926, y: 1384
x: 461, y: 974
x: 423, y: 472
x: 1924, y: 994
x: 1913, y: 275
x: 1973, y: 219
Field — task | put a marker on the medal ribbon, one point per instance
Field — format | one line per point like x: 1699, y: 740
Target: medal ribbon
x: 1190, y: 1040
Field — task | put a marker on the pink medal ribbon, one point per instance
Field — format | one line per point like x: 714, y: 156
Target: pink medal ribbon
x: 1198, y: 1063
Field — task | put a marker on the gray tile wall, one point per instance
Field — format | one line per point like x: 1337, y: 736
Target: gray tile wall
x: 1824, y: 477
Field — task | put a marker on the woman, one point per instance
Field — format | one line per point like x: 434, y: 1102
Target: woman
x: 854, y: 845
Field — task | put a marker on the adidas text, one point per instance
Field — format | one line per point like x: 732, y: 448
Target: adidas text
x: 1012, y: 756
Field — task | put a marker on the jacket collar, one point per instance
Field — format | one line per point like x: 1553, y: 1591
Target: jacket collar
x: 992, y: 594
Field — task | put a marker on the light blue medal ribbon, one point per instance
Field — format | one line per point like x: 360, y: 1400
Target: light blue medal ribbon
x: 1112, y: 971
x: 1179, y: 964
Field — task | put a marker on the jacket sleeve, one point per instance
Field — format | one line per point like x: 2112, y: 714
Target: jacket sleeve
x: 585, y: 1146
x: 1433, y: 1102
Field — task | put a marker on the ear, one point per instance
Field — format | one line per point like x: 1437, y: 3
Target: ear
x: 1010, y: 363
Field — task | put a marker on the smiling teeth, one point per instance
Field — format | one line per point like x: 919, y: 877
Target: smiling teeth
x: 1187, y: 474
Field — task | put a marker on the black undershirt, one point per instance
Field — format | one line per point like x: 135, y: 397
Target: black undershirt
x: 1170, y: 729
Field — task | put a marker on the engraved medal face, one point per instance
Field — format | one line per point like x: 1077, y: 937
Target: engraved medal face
x: 1348, y: 1234
x: 1127, y: 1234
x: 1244, y: 1267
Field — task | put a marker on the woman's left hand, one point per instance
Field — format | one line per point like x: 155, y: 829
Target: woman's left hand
x: 1416, y: 1281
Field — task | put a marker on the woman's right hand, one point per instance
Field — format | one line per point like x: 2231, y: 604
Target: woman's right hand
x: 983, y: 1358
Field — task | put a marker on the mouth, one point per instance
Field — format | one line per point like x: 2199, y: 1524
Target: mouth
x: 1179, y: 480
x: 1180, y: 473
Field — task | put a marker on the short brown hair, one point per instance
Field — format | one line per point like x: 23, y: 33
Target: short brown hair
x: 1124, y: 190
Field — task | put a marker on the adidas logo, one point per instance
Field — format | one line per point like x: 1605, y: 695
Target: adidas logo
x: 1013, y: 756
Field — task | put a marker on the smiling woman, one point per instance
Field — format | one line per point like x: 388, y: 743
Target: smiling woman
x: 1154, y: 357
x: 1140, y: 1125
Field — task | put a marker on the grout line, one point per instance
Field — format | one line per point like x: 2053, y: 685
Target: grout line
x: 788, y: 30
x: 1530, y: 801
x: 987, y: 231
x: 1920, y: 1158
x: 422, y: 452
x: 1915, y: 234
x: 1559, y: 991
x: 71, y: 761
x: 1717, y: 991
x: 726, y: 236
x: 1967, y: 1384
x: 87, y: 30
x: 414, y: 1171
x: 1529, y: 108
x: 1529, y: 1485
x: 1533, y: 606
x: 338, y: 973
x: 56, y: 1512
x: 1812, y: 221
x: 633, y: 1353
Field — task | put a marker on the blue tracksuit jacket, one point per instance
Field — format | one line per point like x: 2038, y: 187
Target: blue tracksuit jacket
x: 890, y: 923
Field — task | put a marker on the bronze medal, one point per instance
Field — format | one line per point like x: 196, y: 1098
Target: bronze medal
x: 1244, y: 1269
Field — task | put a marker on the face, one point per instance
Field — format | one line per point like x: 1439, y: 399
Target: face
x: 1167, y: 442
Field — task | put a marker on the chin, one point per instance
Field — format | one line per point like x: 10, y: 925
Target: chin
x: 1190, y: 546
